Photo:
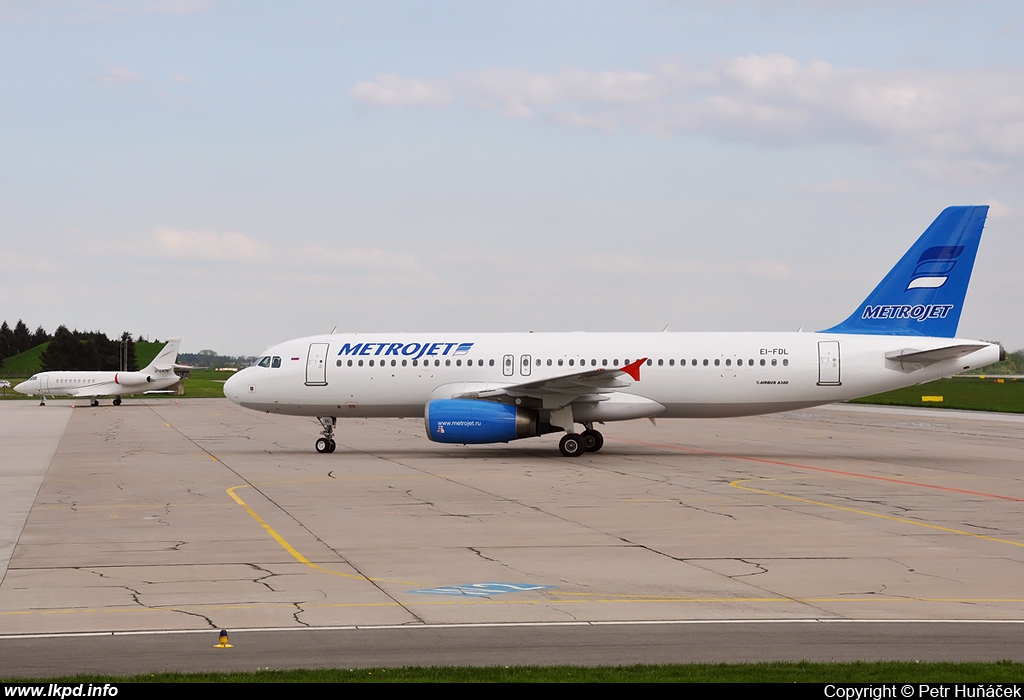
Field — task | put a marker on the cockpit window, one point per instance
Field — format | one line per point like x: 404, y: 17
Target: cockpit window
x: 276, y: 362
x: 33, y: 377
x: 264, y: 361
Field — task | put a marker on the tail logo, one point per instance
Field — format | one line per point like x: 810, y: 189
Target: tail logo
x: 934, y: 266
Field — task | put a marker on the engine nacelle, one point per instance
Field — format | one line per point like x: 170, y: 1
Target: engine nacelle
x: 132, y: 379
x: 474, y: 422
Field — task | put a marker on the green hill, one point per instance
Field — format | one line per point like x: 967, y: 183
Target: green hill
x: 24, y: 364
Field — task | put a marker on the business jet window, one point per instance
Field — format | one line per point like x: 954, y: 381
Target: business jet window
x: 276, y: 362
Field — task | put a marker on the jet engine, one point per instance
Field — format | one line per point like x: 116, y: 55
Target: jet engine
x: 474, y: 422
x: 132, y: 378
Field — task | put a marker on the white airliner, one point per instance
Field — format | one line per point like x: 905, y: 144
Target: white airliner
x: 93, y: 385
x: 476, y: 388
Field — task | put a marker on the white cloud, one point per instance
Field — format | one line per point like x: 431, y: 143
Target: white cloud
x: 393, y: 91
x: 770, y: 100
x: 203, y: 246
x: 120, y: 75
x: 364, y: 260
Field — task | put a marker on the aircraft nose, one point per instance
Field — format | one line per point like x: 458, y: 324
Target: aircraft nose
x: 233, y: 387
x: 22, y: 388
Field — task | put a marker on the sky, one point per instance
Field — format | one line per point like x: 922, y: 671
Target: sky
x: 240, y: 173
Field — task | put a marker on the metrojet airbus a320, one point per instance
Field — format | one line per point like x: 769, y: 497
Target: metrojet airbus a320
x: 477, y: 388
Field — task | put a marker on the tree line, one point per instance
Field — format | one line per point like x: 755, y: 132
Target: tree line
x: 71, y: 350
x: 20, y: 339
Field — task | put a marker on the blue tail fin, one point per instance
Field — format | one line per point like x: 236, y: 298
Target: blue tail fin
x: 924, y: 293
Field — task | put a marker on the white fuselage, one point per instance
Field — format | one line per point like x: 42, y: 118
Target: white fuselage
x: 95, y: 384
x: 687, y: 375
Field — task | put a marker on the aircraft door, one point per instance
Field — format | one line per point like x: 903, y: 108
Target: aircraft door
x: 525, y: 365
x: 44, y: 383
x: 828, y: 363
x: 508, y: 365
x: 316, y: 365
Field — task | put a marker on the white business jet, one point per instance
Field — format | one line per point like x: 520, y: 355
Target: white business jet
x: 476, y: 388
x: 93, y: 385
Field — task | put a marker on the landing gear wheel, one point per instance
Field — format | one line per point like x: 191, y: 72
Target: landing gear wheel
x: 117, y: 402
x: 571, y: 445
x: 326, y: 444
x: 94, y: 402
x: 593, y: 441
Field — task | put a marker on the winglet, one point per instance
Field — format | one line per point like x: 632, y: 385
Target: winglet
x: 633, y: 369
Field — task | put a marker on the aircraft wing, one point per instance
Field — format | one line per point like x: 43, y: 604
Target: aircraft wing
x: 910, y: 358
x: 95, y: 390
x: 556, y: 392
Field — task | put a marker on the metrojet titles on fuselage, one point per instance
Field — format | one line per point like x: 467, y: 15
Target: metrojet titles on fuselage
x: 479, y: 388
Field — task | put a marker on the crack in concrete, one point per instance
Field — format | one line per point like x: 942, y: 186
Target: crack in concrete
x: 762, y: 569
x: 262, y: 580
x: 136, y: 597
x: 299, y: 611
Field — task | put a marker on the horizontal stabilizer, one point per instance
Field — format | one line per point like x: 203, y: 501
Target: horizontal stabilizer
x: 915, y: 359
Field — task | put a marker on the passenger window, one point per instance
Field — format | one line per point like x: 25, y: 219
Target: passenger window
x: 559, y: 363
x: 774, y: 362
x: 762, y: 363
x: 785, y: 363
x: 717, y: 363
x: 339, y: 363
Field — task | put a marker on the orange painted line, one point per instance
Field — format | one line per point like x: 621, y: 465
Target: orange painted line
x: 807, y: 467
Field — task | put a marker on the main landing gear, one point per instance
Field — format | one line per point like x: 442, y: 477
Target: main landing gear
x: 326, y: 444
x: 94, y: 402
x: 117, y: 402
x: 573, y: 445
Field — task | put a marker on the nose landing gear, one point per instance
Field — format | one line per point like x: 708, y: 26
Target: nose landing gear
x: 326, y: 444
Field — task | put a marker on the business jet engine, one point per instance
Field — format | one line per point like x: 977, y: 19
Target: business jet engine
x: 132, y: 379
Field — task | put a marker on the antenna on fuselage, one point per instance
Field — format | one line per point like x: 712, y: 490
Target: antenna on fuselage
x: 666, y: 327
x: 333, y: 331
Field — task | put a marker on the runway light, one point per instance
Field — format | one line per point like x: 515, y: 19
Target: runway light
x: 223, y: 643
